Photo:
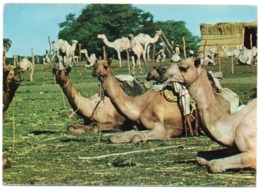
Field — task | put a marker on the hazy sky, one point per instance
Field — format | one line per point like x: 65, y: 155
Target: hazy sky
x: 29, y: 25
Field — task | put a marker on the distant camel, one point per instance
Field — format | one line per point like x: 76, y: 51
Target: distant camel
x: 237, y: 131
x: 11, y: 81
x: 119, y: 45
x: 97, y: 114
x: 150, y: 110
x: 90, y: 59
x: 138, y: 50
x: 146, y: 40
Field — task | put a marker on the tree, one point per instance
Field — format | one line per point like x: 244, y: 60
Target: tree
x: 7, y: 43
x: 114, y: 20
x: 175, y: 31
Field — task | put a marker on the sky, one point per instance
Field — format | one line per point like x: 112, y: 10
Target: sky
x: 29, y: 25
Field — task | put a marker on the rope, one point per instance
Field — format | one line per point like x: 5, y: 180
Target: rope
x: 13, y: 142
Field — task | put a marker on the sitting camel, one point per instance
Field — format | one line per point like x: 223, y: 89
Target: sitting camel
x: 188, y: 108
x: 12, y: 78
x: 150, y: 110
x: 98, y: 113
x: 236, y: 131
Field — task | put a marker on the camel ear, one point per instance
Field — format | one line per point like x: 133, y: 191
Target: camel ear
x: 109, y: 61
x: 54, y: 70
x: 68, y: 69
x: 197, y: 62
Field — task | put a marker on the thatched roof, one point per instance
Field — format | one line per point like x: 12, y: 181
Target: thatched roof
x: 228, y: 34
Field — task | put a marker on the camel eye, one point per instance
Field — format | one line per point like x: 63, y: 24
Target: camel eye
x: 183, y: 69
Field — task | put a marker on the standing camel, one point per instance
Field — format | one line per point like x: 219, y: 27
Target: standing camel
x: 138, y: 50
x: 236, y: 131
x: 146, y: 40
x: 151, y: 110
x: 67, y: 51
x: 97, y: 114
x: 119, y: 45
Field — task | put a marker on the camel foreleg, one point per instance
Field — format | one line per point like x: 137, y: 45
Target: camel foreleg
x: 225, y: 159
x: 157, y: 133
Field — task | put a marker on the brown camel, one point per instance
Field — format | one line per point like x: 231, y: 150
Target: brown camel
x: 97, y: 113
x: 236, y: 131
x: 151, y: 110
x: 191, y: 120
x: 12, y: 78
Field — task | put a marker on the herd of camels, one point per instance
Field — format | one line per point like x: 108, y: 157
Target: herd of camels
x: 150, y: 116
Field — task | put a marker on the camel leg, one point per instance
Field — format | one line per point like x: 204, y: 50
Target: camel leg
x: 188, y: 120
x: 239, y: 161
x: 119, y: 58
x: 157, y: 133
x: 196, y: 130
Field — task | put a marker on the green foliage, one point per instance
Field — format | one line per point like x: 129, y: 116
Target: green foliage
x: 116, y: 21
x: 175, y: 31
x: 7, y: 43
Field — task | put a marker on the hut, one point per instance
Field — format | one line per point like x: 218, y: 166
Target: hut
x: 228, y: 34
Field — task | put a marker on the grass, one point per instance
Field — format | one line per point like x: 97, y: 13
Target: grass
x: 45, y: 154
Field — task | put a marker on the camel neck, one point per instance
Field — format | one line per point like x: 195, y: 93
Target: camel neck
x: 109, y: 44
x: 216, y: 121
x: 130, y: 107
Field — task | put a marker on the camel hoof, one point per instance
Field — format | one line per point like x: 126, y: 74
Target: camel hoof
x: 137, y: 139
x: 117, y: 139
x: 202, y: 161
x: 215, y: 167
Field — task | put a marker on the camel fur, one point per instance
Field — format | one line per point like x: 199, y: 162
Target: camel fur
x: 192, y: 119
x: 236, y: 131
x: 12, y: 78
x: 120, y: 45
x: 97, y: 114
x: 161, y: 119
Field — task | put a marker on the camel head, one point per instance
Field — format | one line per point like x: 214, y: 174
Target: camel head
x: 101, y: 36
x: 74, y: 42
x: 102, y: 69
x: 12, y: 76
x: 158, y: 32
x: 153, y: 74
x: 184, y: 72
x: 62, y: 75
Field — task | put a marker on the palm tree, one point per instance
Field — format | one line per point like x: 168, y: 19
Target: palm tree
x: 7, y: 43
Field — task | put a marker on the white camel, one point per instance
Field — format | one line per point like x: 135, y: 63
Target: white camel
x: 235, y: 53
x: 55, y: 47
x: 68, y: 50
x: 247, y: 56
x: 146, y: 40
x: 138, y: 50
x: 237, y: 131
x: 119, y: 45
x: 25, y: 64
x: 90, y: 59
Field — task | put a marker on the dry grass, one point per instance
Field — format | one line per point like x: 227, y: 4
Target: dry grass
x: 46, y: 155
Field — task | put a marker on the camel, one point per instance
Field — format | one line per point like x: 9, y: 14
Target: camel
x: 161, y: 119
x: 183, y: 99
x: 68, y: 51
x: 236, y: 131
x: 146, y: 40
x: 235, y: 53
x: 138, y: 50
x: 12, y: 78
x: 90, y: 59
x: 25, y: 64
x: 56, y: 46
x: 96, y: 112
x: 122, y: 44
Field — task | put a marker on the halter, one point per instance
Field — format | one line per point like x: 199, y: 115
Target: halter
x: 185, y: 82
